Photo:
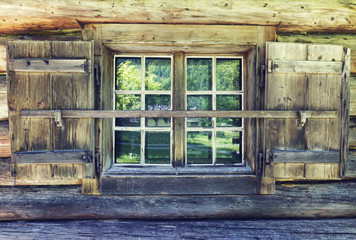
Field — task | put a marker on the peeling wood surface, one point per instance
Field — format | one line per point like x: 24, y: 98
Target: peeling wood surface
x: 199, y: 229
x: 316, y: 15
x: 305, y: 200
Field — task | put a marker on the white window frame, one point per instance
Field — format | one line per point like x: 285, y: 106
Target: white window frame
x: 143, y: 92
x: 214, y: 93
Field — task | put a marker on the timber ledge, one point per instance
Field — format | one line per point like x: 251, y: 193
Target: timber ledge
x: 291, y: 200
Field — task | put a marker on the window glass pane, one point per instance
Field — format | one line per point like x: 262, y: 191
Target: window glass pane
x: 158, y: 74
x: 158, y: 103
x: 127, y: 146
x: 199, y: 148
x: 128, y: 102
x: 228, y: 103
x: 228, y: 147
x: 199, y: 74
x: 128, y: 73
x: 228, y: 74
x: 157, y: 147
x: 199, y: 103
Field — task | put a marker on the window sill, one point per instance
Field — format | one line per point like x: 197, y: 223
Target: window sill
x: 181, y: 181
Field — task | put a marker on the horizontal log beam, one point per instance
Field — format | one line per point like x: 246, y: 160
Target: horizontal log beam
x: 307, y: 200
x: 175, y: 114
x: 315, y: 15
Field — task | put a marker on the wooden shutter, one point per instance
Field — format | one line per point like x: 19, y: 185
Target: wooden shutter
x: 50, y: 75
x: 306, y: 77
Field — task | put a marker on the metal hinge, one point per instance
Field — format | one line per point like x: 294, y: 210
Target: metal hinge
x: 261, y: 84
x: 270, y: 158
x: 97, y: 74
x: 97, y: 163
x: 260, y: 162
x: 88, y: 157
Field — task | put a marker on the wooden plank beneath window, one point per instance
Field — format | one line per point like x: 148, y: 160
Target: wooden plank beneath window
x: 46, y: 157
x: 178, y: 185
x: 176, y: 114
x: 50, y: 65
x: 293, y: 66
x: 302, y: 156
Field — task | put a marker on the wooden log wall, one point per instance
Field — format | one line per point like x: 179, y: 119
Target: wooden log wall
x: 290, y: 16
x: 298, y: 200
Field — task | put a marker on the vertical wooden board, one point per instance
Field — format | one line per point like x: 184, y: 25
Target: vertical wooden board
x: 275, y: 133
x: 71, y: 49
x: 294, y: 171
x: 39, y: 96
x: 61, y: 171
x: 18, y: 89
x: 279, y: 170
x: 288, y: 170
x: 106, y: 96
x: 325, y: 53
x: 62, y: 98
x: 353, y: 95
x: 179, y: 86
x: 83, y: 99
x: 315, y: 171
x: 323, y: 94
x: 291, y: 51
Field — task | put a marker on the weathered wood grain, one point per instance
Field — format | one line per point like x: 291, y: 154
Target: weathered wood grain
x: 176, y: 113
x: 298, y: 156
x: 179, y: 90
x: 55, y: 157
x: 4, y: 139
x: 293, y: 66
x: 303, y: 200
x: 316, y: 15
x: 309, y: 91
x: 346, y: 40
x: 50, y: 65
x: 33, y: 90
x: 298, y: 229
x: 351, y: 165
x: 177, y: 185
x: 3, y: 99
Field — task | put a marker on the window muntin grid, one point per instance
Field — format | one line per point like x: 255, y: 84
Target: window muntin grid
x: 210, y: 130
x: 141, y: 91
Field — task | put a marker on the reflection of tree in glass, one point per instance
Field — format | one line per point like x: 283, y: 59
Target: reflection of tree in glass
x: 158, y: 103
x: 228, y: 74
x: 199, y: 74
x: 199, y: 103
x: 158, y: 74
x: 128, y: 73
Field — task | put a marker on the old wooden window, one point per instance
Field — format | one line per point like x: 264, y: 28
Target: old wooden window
x: 290, y: 107
x: 209, y: 83
x: 142, y: 83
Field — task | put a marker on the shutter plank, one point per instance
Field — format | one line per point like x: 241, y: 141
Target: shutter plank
x: 32, y: 89
x: 302, y: 156
x: 294, y: 66
x: 56, y: 157
x: 49, y: 65
x: 312, y: 83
